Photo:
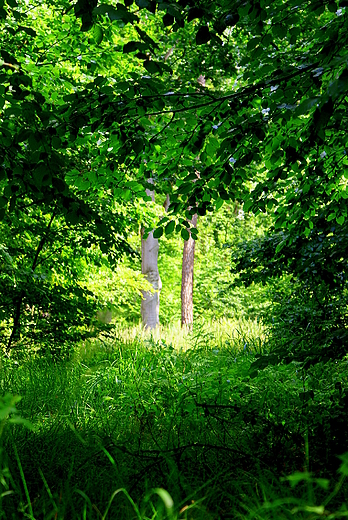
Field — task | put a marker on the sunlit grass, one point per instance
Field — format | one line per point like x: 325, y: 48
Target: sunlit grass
x: 230, y: 334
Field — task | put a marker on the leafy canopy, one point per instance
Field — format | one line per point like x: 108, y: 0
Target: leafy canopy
x: 266, y: 124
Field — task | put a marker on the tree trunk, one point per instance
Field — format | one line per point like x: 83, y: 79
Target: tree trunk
x: 149, y: 267
x: 187, y: 280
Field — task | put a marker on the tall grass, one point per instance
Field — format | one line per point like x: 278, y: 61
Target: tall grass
x: 221, y: 333
x: 164, y: 425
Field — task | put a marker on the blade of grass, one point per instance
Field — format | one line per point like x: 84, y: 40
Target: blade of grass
x: 26, y: 491
x: 48, y: 490
x: 123, y: 490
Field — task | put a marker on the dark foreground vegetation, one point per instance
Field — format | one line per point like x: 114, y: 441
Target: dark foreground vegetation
x: 121, y: 425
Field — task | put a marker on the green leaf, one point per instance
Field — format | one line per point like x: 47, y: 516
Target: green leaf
x: 39, y: 174
x: 166, y: 498
x: 297, y: 477
x: 253, y: 43
x: 340, y: 220
x: 152, y: 67
x: 133, y: 46
x: 56, y: 142
x: 186, y: 188
x: 185, y: 234
x: 306, y: 106
x: 344, y: 466
x: 332, y: 7
x: 322, y: 482
x: 170, y: 227
x: 138, y: 145
x: 224, y: 195
x: 279, y: 30
x: 279, y: 222
x: 97, y: 34
x: 332, y: 216
x: 218, y: 203
x: 280, y: 246
x: 20, y: 420
x: 82, y: 183
x: 158, y: 232
x: 27, y: 30
x: 143, y: 4
x: 126, y: 194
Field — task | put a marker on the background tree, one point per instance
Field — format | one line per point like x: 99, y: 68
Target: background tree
x: 149, y: 267
x: 188, y: 259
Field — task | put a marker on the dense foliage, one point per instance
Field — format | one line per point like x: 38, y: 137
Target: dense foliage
x: 236, y: 111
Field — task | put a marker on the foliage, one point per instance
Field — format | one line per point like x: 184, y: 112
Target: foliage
x: 279, y: 107
x: 242, y: 102
x: 268, y: 130
x: 309, y: 315
x: 45, y: 303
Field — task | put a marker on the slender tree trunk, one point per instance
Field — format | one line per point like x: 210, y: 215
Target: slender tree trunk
x: 149, y: 267
x: 187, y: 280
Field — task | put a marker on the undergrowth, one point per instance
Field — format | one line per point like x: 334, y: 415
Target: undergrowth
x: 135, y: 428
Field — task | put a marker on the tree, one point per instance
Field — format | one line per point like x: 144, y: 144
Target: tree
x: 149, y: 267
x: 287, y: 105
x: 187, y: 279
x: 269, y: 127
x: 46, y: 178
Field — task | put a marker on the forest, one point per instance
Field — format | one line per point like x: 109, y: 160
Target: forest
x: 173, y: 259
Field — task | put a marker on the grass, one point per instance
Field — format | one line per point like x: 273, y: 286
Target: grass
x: 221, y: 333
x: 171, y: 426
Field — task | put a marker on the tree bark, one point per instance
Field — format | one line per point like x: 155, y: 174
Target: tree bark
x: 149, y: 267
x: 187, y: 280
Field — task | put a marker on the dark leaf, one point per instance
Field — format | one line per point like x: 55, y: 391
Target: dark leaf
x: 158, y: 232
x: 153, y: 67
x: 185, y: 234
x: 138, y: 145
x: 27, y: 30
x: 142, y: 4
x: 3, y: 202
x: 170, y: 227
x: 203, y: 35
x: 168, y: 19
x: 134, y: 46
x: 194, y: 12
